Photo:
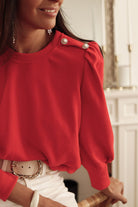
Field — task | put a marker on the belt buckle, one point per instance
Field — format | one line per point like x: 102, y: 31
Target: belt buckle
x: 14, y: 170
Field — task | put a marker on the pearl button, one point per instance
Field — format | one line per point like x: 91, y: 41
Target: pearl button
x: 64, y: 41
x: 85, y: 46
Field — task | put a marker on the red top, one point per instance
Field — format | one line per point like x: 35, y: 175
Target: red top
x: 53, y: 108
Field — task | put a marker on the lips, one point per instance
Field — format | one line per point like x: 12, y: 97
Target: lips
x: 48, y: 10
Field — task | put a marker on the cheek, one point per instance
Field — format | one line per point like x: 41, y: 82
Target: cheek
x: 61, y: 2
x: 27, y: 6
x: 28, y: 3
x: 26, y: 12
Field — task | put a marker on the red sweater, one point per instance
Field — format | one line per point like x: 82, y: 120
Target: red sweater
x: 53, y: 108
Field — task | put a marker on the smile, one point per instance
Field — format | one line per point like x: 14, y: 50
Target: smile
x: 51, y: 12
x: 48, y: 10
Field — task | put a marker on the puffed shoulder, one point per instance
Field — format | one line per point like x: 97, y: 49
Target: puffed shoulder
x: 89, y: 51
x: 95, y: 61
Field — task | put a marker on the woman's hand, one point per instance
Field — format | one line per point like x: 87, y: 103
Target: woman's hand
x: 115, y: 191
x: 47, y: 202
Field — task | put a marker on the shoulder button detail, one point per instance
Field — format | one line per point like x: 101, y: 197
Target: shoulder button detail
x: 85, y: 46
x: 64, y: 41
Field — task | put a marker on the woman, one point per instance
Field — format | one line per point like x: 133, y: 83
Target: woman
x: 53, y: 114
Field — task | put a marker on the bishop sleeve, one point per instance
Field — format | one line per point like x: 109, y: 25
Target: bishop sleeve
x: 7, y: 183
x: 95, y: 134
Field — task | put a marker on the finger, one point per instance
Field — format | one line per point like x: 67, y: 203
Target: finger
x: 109, y: 200
x: 122, y: 198
x: 119, y: 197
x: 122, y: 187
x: 122, y: 191
x: 114, y: 201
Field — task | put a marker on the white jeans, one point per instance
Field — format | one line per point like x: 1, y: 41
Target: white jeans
x: 49, y: 185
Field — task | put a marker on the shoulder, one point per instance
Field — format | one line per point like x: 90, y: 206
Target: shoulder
x: 69, y: 43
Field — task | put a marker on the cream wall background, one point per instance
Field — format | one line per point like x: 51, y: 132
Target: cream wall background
x: 85, y: 21
x: 82, y: 16
x: 123, y: 35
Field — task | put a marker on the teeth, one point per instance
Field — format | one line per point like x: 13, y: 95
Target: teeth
x: 50, y: 11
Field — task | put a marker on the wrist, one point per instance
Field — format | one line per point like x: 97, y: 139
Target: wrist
x: 41, y: 201
x: 35, y: 199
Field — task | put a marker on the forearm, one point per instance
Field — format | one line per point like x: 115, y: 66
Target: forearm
x: 21, y: 195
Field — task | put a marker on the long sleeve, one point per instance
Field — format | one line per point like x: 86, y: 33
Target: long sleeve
x: 95, y: 135
x: 7, y: 183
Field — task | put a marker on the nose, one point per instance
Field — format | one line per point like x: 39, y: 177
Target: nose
x: 56, y: 1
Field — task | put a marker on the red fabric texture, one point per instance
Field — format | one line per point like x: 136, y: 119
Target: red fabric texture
x: 7, y: 183
x: 53, y: 108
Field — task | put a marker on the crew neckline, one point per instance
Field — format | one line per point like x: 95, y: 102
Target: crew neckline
x: 29, y: 57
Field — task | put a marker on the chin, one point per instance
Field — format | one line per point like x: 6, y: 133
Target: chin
x: 50, y: 25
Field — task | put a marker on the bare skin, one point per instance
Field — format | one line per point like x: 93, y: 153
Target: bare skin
x: 22, y: 195
x: 115, y: 191
x: 31, y: 36
x: 31, y: 23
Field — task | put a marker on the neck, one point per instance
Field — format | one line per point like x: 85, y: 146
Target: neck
x: 30, y: 40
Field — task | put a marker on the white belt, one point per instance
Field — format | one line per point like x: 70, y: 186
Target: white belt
x: 24, y: 169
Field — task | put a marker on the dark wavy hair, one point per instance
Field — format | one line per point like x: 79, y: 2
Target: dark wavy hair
x: 8, y: 12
